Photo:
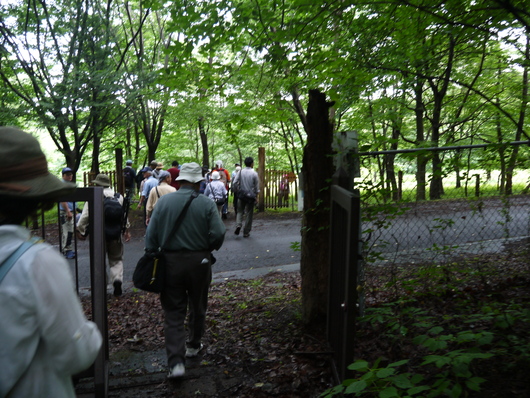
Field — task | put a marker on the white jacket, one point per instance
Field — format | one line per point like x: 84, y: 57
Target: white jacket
x: 44, y: 335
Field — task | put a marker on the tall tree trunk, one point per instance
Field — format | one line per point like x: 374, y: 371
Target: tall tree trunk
x: 204, y: 142
x: 317, y: 171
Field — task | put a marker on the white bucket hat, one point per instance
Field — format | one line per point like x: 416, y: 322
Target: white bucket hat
x: 191, y: 172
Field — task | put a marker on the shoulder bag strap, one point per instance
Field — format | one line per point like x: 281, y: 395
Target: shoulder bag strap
x: 157, y: 194
x: 12, y: 259
x: 178, y: 221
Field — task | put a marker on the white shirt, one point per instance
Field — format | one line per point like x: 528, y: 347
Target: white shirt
x: 44, y: 335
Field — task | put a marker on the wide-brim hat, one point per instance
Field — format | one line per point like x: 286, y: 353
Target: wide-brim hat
x: 191, y: 172
x: 216, y: 175
x: 25, y: 168
x: 102, y: 180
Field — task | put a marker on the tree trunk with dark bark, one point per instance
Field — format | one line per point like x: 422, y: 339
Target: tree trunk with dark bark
x: 317, y: 174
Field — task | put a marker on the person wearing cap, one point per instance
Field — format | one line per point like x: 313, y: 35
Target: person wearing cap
x: 188, y: 264
x: 45, y: 336
x: 67, y: 219
x: 216, y: 191
x: 163, y: 188
x: 149, y: 184
x: 129, y: 177
x: 113, y: 247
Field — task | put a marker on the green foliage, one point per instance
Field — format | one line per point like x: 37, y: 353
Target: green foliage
x: 451, y: 349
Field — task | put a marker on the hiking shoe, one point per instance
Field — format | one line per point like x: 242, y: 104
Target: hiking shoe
x: 193, y: 352
x: 237, y: 230
x: 246, y: 235
x: 225, y: 216
x: 117, y: 288
x: 177, y: 371
x: 70, y: 255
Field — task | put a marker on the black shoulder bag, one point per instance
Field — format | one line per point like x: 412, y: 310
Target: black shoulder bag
x: 149, y: 274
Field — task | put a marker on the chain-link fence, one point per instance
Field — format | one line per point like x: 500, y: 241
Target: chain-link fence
x: 413, y: 214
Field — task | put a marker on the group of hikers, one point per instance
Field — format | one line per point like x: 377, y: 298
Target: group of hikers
x: 46, y: 336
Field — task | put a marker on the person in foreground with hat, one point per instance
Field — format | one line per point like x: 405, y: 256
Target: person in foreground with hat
x: 44, y: 336
x: 113, y: 244
x: 67, y: 219
x: 163, y: 188
x: 188, y: 264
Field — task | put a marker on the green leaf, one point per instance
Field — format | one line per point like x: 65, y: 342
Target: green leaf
x: 389, y: 392
x: 456, y: 391
x: 436, y: 330
x: 402, y: 381
x: 474, y: 383
x: 358, y: 365
x: 385, y: 372
x: 398, y: 363
x: 417, y: 390
x: 356, y: 387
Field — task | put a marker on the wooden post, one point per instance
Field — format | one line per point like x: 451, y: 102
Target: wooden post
x: 477, y: 185
x: 261, y: 174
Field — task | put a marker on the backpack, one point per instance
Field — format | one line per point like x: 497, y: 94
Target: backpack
x: 113, y: 212
x: 128, y: 178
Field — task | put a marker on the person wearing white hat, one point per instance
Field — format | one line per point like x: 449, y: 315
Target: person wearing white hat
x: 188, y: 263
x: 216, y: 191
x: 45, y: 337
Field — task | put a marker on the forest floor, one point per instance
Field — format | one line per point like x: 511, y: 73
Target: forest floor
x: 257, y: 346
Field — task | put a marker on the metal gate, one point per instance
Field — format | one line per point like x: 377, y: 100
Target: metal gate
x: 98, y: 282
x: 345, y: 248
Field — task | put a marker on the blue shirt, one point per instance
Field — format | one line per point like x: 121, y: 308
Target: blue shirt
x: 149, y: 184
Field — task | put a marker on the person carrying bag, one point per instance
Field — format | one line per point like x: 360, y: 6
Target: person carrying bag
x: 150, y: 270
x: 187, y: 264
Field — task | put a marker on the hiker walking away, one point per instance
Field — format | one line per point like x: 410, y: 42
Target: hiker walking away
x: 216, y: 191
x: 283, y: 193
x: 67, y: 215
x: 225, y: 178
x: 45, y: 337
x: 174, y: 170
x: 247, y: 183
x: 129, y: 177
x: 150, y: 181
x: 114, y: 214
x: 233, y: 188
x: 188, y: 263
x: 162, y: 189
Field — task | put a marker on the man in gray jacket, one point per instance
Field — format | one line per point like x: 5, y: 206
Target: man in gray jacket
x: 188, y: 263
x: 247, y: 188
